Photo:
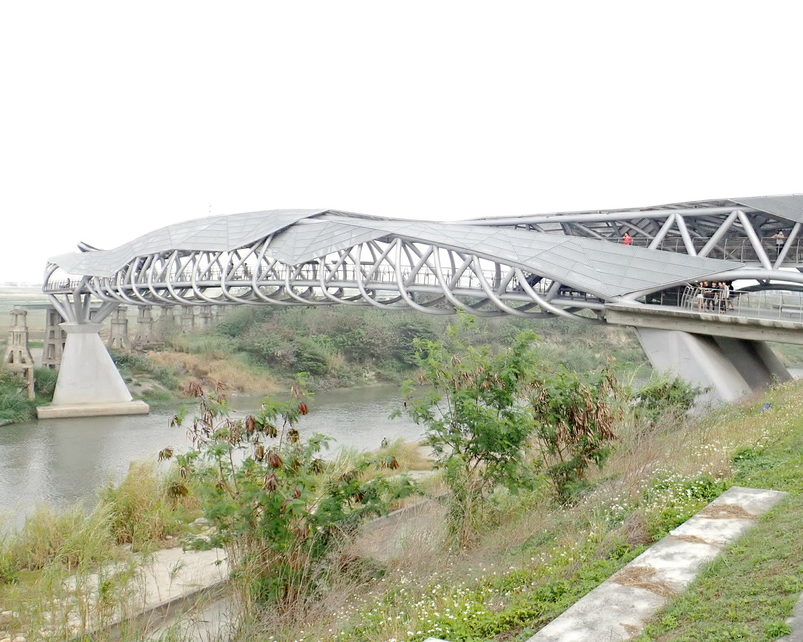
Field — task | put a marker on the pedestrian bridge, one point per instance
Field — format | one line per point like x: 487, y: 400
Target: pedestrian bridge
x: 570, y: 264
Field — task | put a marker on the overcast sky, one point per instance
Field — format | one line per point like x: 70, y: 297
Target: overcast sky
x: 122, y: 117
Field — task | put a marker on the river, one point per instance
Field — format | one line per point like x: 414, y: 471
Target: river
x: 60, y: 461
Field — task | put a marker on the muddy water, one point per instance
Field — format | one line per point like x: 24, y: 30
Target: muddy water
x: 61, y: 461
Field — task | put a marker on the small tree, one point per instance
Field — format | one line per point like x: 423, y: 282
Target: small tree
x: 276, y: 505
x: 476, y: 423
x: 574, y: 418
x: 665, y: 397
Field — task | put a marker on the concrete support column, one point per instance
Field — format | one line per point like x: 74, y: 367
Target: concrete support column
x: 187, y: 318
x: 205, y: 317
x: 54, y: 339
x: 731, y: 368
x: 144, y: 324
x: 89, y: 383
x: 17, y: 355
x: 119, y: 330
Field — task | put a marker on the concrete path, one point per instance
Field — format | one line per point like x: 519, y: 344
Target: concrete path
x: 173, y: 580
x: 162, y: 586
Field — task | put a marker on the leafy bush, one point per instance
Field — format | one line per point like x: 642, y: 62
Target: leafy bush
x: 45, y: 382
x: 574, y: 418
x: 283, y: 509
x: 311, y: 357
x: 666, y: 396
x: 476, y: 425
x: 14, y: 403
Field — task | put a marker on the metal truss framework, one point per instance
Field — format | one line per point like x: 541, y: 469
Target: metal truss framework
x: 438, y: 269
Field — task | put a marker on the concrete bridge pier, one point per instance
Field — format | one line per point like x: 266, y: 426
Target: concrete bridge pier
x: 205, y: 317
x: 731, y: 367
x: 187, y: 318
x: 144, y: 324
x: 55, y: 337
x: 89, y: 383
x: 119, y: 338
x: 17, y: 355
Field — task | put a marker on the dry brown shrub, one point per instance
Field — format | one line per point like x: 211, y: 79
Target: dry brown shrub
x: 209, y: 370
x: 634, y: 530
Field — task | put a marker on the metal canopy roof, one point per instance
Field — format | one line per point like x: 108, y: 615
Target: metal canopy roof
x: 595, y: 266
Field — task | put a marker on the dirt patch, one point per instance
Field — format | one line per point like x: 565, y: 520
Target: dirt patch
x: 421, y: 527
x: 692, y: 539
x: 725, y: 511
x: 641, y: 577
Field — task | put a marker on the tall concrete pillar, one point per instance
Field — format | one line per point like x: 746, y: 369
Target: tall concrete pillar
x: 119, y: 330
x: 54, y: 339
x: 728, y: 368
x: 89, y: 383
x: 17, y: 356
x: 205, y: 317
x: 187, y: 318
x: 144, y: 324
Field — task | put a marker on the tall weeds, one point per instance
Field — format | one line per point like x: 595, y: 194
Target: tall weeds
x: 146, y: 507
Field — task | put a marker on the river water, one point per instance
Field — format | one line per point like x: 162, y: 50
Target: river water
x: 61, y: 461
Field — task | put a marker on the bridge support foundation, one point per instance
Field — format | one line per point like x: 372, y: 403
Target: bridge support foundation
x: 144, y: 325
x: 17, y: 355
x: 118, y: 337
x: 89, y: 383
x: 54, y: 339
x: 731, y: 367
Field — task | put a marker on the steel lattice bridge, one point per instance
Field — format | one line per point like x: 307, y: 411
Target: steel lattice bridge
x: 570, y: 264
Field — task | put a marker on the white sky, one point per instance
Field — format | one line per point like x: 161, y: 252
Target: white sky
x: 117, y: 118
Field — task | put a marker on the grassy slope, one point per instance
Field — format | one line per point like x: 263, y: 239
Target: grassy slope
x: 748, y: 593
x: 535, y: 560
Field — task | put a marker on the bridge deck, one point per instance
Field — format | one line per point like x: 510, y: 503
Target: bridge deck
x: 784, y: 327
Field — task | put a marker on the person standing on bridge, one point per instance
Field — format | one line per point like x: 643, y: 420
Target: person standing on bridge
x: 627, y: 239
x: 724, y: 295
x: 779, y: 239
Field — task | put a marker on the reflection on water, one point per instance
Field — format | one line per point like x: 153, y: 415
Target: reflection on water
x: 61, y: 461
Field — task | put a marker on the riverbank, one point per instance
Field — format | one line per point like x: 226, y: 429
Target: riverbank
x: 534, y: 559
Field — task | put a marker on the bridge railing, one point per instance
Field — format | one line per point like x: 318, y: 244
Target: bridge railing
x: 732, y: 249
x: 771, y: 304
x: 310, y: 274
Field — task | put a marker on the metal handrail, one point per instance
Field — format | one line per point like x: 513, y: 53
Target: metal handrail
x: 773, y: 304
x: 730, y: 248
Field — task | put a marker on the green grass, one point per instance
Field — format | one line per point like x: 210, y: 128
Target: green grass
x: 750, y: 590
x: 535, y: 559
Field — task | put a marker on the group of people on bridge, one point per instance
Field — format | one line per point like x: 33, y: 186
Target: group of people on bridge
x: 713, y: 296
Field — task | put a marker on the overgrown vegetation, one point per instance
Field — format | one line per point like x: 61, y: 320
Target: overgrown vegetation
x: 65, y: 574
x: 492, y: 417
x: 260, y: 349
x: 563, y: 505
x: 15, y: 407
x: 573, y: 417
x: 533, y: 557
x: 277, y: 506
